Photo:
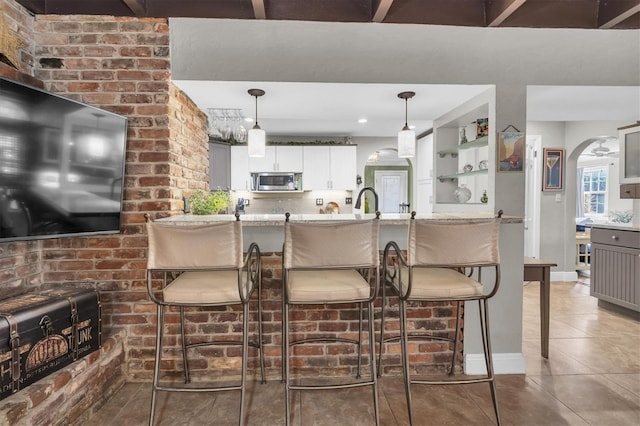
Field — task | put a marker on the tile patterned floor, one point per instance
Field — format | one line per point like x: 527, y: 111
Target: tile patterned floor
x: 591, y: 378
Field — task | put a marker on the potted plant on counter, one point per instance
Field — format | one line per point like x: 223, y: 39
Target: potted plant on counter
x: 202, y: 202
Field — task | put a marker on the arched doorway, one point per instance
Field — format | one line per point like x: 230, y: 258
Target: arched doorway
x: 391, y: 177
x: 597, y: 195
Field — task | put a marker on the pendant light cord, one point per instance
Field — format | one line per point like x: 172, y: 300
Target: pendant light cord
x: 406, y: 112
x: 256, y: 109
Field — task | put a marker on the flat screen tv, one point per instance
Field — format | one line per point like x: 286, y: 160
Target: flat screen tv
x: 61, y: 165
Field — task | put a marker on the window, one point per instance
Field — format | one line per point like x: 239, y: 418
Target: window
x: 594, y: 184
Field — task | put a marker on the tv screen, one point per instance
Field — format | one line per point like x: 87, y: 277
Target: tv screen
x: 61, y: 165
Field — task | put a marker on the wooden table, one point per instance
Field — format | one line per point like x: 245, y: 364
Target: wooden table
x: 540, y: 270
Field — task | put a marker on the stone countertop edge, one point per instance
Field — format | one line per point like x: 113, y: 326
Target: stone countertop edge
x: 279, y: 219
x: 617, y: 226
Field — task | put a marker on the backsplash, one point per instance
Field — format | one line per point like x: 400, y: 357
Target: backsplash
x: 295, y: 203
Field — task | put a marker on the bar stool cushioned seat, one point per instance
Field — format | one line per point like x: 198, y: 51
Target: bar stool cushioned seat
x: 331, y: 285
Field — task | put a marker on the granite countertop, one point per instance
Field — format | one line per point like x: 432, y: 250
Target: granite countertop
x: 278, y: 219
x: 618, y: 226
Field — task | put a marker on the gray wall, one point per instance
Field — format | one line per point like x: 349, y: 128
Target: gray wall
x: 210, y: 49
x: 557, y: 237
x: 510, y: 58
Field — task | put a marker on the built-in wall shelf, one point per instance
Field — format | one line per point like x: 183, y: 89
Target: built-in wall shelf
x: 462, y: 174
x: 451, y: 158
x: 476, y: 143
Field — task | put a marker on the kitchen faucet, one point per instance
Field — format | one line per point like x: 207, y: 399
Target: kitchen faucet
x: 375, y: 195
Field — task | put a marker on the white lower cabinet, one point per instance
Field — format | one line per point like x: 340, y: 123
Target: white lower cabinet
x: 329, y: 167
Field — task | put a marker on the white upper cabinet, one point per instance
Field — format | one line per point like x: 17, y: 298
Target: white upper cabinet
x: 323, y: 167
x: 329, y: 167
x: 343, y: 167
x: 240, y: 168
x: 278, y: 159
x: 317, y: 171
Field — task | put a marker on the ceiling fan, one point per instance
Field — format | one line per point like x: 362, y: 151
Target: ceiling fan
x: 601, y: 151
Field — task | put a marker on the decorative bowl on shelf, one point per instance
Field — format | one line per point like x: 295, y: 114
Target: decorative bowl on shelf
x: 467, y: 168
x: 483, y: 165
x: 462, y: 193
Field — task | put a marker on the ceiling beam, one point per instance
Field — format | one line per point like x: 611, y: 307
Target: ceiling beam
x: 498, y: 11
x: 38, y: 7
x: 382, y: 10
x: 258, y: 9
x: 618, y: 16
x: 138, y: 7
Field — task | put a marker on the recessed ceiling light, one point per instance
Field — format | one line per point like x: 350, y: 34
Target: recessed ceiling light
x: 412, y: 127
x: 248, y: 119
x: 362, y: 120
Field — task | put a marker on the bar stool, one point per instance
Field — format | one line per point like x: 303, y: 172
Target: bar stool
x: 444, y: 263
x: 331, y: 262
x: 203, y: 266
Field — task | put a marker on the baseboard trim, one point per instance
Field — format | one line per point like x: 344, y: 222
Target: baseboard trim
x: 503, y: 363
x: 566, y: 276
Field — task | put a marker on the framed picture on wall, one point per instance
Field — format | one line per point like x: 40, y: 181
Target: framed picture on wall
x: 553, y: 174
x: 511, y: 149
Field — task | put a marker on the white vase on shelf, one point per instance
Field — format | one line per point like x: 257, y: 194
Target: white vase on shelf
x: 462, y: 193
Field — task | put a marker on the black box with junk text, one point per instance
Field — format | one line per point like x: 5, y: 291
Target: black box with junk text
x: 42, y: 332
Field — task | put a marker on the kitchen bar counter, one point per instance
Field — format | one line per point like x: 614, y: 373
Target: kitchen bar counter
x: 616, y: 226
x: 278, y: 219
x: 267, y: 230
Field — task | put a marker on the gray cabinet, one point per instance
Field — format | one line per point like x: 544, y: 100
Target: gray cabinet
x: 219, y: 165
x: 615, y: 266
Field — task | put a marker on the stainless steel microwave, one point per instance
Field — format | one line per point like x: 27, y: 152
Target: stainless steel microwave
x: 276, y: 181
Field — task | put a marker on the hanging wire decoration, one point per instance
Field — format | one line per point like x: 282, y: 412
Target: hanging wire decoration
x: 227, y: 125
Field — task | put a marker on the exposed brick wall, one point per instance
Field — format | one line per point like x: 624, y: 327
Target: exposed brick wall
x: 122, y: 65
x: 71, y: 395
x: 20, y: 23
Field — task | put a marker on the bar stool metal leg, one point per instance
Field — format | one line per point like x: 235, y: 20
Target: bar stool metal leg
x: 404, y: 341
x: 260, y: 336
x: 358, y: 375
x: 158, y: 359
x: 285, y: 349
x: 185, y: 359
x: 486, y: 342
x: 382, y: 322
x: 372, y: 362
x: 245, y: 350
x: 456, y: 338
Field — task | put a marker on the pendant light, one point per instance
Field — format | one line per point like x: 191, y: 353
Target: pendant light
x: 406, y: 137
x: 256, y: 138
